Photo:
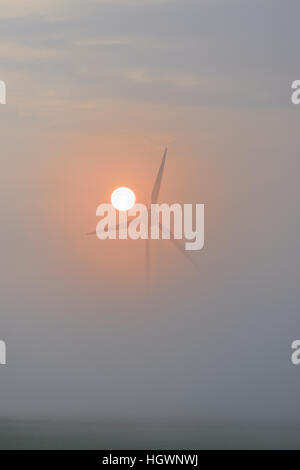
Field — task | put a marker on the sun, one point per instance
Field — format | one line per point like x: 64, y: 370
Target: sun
x: 123, y: 199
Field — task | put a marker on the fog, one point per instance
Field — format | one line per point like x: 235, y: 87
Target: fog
x: 95, y: 92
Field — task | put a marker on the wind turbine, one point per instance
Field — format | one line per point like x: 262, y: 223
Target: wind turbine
x: 154, y: 197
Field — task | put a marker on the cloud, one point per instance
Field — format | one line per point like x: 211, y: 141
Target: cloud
x: 17, y: 52
x: 21, y: 8
x: 102, y: 42
x: 179, y: 80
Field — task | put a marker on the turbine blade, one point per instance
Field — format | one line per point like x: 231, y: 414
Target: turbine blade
x: 180, y: 247
x: 115, y: 227
x: 156, y: 187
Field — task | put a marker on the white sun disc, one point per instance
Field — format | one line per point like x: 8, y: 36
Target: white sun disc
x: 123, y: 199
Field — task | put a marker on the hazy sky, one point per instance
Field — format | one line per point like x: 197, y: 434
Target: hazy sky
x: 95, y: 91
